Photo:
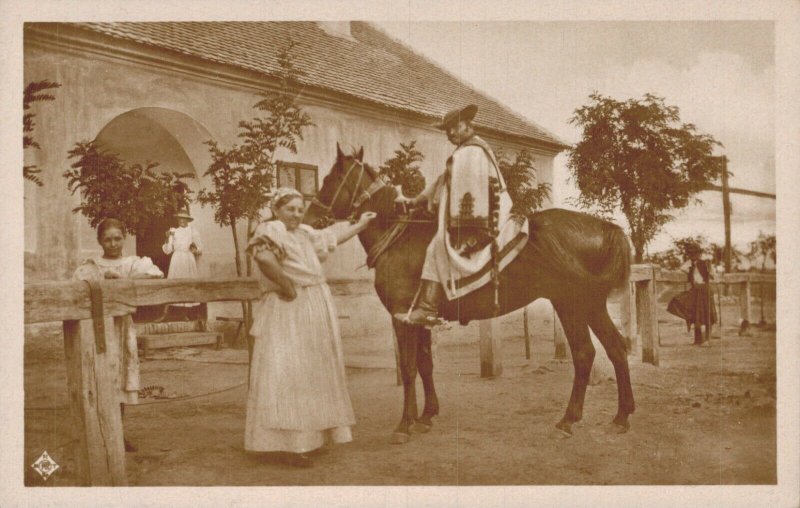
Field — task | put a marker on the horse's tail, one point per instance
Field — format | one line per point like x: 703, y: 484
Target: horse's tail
x: 618, y: 253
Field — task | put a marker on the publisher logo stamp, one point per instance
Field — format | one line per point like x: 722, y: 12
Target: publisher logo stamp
x: 45, y: 465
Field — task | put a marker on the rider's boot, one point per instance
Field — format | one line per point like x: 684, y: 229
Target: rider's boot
x: 427, y: 312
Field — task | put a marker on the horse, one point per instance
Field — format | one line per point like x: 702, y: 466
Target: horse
x: 571, y: 258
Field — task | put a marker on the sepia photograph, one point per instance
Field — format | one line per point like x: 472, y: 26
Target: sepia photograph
x: 339, y: 248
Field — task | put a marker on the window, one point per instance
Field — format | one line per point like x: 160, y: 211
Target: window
x: 302, y: 177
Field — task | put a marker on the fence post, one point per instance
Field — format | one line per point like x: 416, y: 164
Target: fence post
x: 744, y: 300
x: 559, y: 338
x: 491, y: 366
x: 646, y: 311
x: 94, y: 383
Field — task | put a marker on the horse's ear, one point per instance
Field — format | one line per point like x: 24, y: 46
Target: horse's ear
x: 360, y: 155
x: 339, y: 154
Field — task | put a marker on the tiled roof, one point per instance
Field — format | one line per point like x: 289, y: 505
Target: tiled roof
x: 371, y: 66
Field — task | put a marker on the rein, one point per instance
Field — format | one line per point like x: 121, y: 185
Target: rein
x: 359, y: 196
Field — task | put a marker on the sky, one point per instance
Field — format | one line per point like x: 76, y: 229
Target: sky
x: 719, y: 73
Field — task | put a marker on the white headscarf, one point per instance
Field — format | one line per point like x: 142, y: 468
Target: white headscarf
x: 283, y: 195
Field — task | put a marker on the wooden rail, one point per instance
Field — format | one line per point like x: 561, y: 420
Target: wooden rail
x: 93, y: 373
x: 743, y: 281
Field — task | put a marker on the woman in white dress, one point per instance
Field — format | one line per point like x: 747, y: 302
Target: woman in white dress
x: 113, y: 265
x: 183, y: 243
x: 297, y: 400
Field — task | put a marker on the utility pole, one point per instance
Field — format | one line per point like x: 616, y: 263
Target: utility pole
x: 726, y: 211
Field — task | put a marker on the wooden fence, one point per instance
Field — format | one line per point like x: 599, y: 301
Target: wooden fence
x: 93, y: 374
x: 92, y: 367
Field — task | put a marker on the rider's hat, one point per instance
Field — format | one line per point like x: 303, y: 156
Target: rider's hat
x: 465, y: 114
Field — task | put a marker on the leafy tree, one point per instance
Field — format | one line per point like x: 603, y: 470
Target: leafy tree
x: 35, y: 91
x: 520, y: 178
x: 131, y: 193
x: 637, y: 156
x: 402, y: 169
x: 242, y: 176
x: 763, y: 249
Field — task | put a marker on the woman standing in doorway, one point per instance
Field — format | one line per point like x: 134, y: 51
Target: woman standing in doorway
x: 113, y: 265
x: 297, y: 400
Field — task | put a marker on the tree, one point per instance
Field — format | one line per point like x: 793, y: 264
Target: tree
x: 34, y: 92
x: 243, y: 175
x: 131, y: 193
x: 402, y: 170
x: 520, y: 178
x: 636, y: 156
x: 763, y: 249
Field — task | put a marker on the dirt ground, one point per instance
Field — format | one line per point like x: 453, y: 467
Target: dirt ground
x: 704, y: 416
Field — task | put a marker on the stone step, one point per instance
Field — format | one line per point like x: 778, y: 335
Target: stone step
x: 165, y: 340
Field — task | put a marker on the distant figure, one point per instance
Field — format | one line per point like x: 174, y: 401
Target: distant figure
x: 183, y: 243
x: 696, y: 305
x: 113, y: 265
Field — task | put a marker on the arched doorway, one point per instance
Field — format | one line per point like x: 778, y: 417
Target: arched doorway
x: 175, y: 141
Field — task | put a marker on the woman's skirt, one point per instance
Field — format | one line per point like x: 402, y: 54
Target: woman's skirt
x: 297, y: 399
x: 695, y: 306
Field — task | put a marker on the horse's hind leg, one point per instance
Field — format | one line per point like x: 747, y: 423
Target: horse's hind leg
x: 407, y: 349
x: 425, y: 367
x: 614, y: 344
x: 573, y: 320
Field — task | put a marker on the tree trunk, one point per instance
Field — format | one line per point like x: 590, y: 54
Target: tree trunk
x: 245, y: 315
x: 638, y: 256
x: 247, y: 310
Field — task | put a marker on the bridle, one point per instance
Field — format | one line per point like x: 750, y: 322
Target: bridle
x: 358, y: 196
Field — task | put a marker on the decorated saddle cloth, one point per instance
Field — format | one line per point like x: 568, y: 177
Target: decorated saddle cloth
x: 474, y: 213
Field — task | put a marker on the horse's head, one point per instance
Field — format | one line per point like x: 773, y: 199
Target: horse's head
x: 345, y: 190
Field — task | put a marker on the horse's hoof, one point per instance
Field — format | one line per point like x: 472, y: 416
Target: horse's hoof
x: 400, y: 438
x: 618, y: 428
x: 421, y: 428
x: 563, y: 430
x: 560, y: 434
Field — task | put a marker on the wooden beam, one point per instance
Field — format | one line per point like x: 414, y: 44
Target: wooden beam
x: 648, y: 320
x: 69, y: 300
x: 746, y: 192
x: 491, y: 365
x: 641, y: 272
x: 94, y: 392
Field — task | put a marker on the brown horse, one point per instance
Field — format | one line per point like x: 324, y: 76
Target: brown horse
x: 572, y: 259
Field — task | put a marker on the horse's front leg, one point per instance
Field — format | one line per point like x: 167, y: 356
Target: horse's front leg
x: 407, y: 348
x: 425, y: 366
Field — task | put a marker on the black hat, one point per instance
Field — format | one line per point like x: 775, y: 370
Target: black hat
x: 465, y: 114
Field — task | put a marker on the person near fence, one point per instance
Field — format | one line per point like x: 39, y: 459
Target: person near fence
x: 112, y: 264
x: 297, y: 402
x: 696, y: 306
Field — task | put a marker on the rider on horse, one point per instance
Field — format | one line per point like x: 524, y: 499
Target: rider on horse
x: 477, y: 236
